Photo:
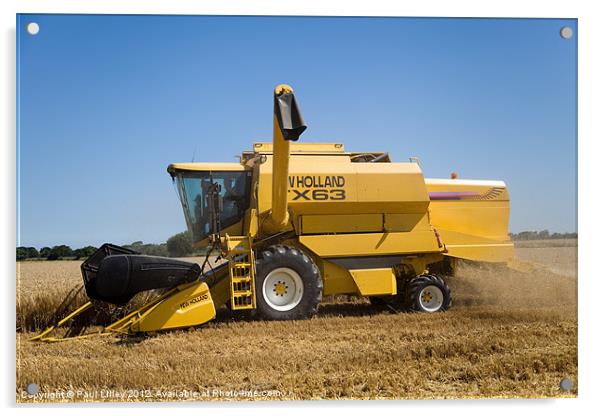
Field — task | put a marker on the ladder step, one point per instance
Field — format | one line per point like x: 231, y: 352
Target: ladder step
x: 242, y: 273
x: 242, y: 293
x: 243, y: 307
x: 242, y: 290
x: 243, y: 302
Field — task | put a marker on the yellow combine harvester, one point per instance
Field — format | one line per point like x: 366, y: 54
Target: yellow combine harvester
x: 297, y: 221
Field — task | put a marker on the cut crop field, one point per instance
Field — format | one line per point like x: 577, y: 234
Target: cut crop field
x: 508, y: 334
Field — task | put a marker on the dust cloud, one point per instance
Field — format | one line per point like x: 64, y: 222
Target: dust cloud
x: 533, y: 285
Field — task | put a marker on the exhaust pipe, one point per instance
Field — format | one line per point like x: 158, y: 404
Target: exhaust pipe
x: 288, y: 126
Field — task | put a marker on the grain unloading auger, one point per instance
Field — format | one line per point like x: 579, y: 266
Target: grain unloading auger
x: 297, y: 221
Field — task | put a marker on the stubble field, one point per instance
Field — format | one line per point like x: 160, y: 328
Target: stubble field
x: 508, y: 334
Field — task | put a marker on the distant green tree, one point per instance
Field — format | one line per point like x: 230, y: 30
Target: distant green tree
x: 540, y: 235
x: 84, y: 252
x: 156, y: 249
x: 180, y: 245
x: 27, y: 253
x: 89, y: 250
x: 21, y: 253
x: 44, y: 252
x: 32, y: 253
x: 148, y: 249
x: 58, y: 252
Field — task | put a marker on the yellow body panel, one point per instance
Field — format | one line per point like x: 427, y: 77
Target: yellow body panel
x: 472, y: 218
x: 371, y: 282
x: 494, y: 253
x: 220, y: 291
x: 361, y: 223
x: 188, y: 307
x: 320, y: 187
x: 405, y: 222
x: 371, y: 244
x: 350, y: 223
x: 365, y: 282
x: 302, y: 148
x: 337, y: 280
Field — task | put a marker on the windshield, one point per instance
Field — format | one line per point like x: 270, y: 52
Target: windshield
x: 193, y: 187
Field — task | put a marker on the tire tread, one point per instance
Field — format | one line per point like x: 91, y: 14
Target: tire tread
x: 293, y: 257
x: 418, y: 283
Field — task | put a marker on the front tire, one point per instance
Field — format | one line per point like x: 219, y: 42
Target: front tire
x: 289, y: 284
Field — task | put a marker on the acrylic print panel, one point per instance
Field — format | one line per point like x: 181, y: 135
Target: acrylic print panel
x: 403, y: 228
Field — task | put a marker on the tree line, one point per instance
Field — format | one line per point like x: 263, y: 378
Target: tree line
x: 178, y: 245
x: 540, y: 235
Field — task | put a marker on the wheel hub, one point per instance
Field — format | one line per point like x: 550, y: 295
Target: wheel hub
x: 431, y: 298
x: 282, y: 289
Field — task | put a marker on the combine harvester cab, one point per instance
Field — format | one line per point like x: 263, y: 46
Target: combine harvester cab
x: 297, y: 221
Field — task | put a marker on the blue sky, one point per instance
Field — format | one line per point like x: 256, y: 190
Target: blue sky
x: 105, y: 103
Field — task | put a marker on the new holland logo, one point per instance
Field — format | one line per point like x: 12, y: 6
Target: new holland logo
x: 317, y: 188
x: 194, y: 300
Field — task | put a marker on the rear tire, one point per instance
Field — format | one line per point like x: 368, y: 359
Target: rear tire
x: 288, y: 284
x: 428, y: 293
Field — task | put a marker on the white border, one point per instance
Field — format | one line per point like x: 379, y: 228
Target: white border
x: 442, y: 8
x: 589, y: 187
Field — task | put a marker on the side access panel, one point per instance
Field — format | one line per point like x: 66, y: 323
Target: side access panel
x: 371, y: 282
x: 371, y: 244
x: 366, y: 282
